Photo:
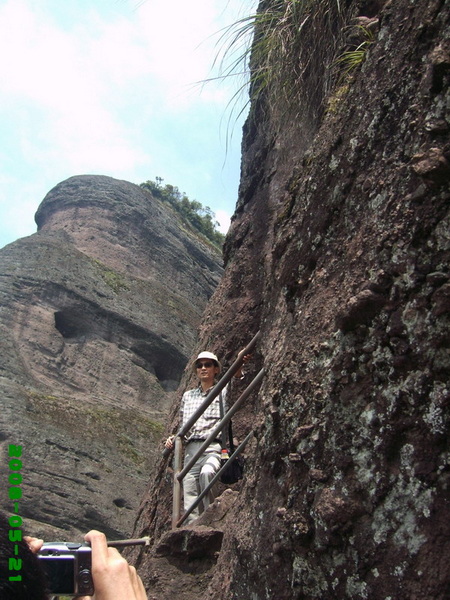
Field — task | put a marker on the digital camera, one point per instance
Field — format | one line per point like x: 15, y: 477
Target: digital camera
x: 67, y: 566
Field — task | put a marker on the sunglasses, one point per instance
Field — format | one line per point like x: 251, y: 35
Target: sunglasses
x: 207, y: 365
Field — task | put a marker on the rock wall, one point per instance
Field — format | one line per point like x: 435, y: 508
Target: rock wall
x: 339, y: 254
x: 99, y: 314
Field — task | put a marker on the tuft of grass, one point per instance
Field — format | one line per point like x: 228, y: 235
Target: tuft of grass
x: 351, y: 59
x: 277, y: 55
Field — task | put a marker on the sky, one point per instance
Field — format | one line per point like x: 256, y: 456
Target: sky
x: 117, y: 88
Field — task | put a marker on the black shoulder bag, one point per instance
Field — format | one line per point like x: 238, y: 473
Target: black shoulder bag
x: 234, y: 470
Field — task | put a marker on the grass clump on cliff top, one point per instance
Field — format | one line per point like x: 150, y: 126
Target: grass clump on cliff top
x: 191, y: 211
x: 283, y: 52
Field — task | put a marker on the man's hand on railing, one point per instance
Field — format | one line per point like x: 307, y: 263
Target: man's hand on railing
x: 170, y: 442
x: 245, y: 359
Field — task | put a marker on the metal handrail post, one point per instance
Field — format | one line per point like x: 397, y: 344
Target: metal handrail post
x: 221, y: 424
x: 215, y: 479
x: 176, y: 506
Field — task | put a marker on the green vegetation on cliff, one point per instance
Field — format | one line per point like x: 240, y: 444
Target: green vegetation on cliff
x: 270, y: 50
x: 191, y: 211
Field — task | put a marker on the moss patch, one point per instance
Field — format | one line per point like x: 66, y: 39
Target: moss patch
x: 124, y: 428
x: 113, y: 279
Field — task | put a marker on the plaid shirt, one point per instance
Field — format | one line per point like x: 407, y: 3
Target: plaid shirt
x: 205, y: 424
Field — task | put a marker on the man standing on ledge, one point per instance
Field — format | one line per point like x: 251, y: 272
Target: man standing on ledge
x: 207, y: 367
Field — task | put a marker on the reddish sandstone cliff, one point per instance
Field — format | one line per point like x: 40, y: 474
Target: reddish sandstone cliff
x: 339, y: 254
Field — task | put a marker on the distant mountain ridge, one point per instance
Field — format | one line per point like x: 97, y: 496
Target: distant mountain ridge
x: 99, y: 314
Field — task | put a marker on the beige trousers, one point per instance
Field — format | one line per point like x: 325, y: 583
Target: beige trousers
x: 199, y: 477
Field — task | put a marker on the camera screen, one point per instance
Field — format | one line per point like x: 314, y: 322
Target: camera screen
x: 60, y: 573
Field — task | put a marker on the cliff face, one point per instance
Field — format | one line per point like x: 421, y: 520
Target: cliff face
x: 99, y: 314
x: 339, y: 254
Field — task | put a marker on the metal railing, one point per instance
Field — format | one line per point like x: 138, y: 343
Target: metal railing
x: 177, y: 520
x: 180, y: 473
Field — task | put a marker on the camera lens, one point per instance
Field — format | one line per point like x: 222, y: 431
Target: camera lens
x: 85, y: 576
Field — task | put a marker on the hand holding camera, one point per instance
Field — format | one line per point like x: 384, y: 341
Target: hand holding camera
x: 113, y: 577
x: 76, y: 569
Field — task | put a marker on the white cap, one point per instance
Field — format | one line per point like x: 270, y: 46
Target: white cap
x: 209, y: 355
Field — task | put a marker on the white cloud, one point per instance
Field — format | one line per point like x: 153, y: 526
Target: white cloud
x: 223, y: 219
x: 81, y: 78
x: 18, y: 211
x: 110, y: 88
